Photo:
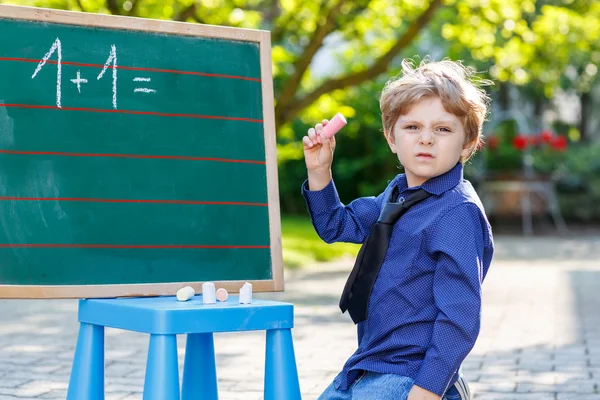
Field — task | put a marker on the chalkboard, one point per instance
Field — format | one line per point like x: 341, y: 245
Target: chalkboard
x: 137, y: 156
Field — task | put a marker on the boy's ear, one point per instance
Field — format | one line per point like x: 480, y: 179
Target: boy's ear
x: 390, y: 140
x: 468, y: 149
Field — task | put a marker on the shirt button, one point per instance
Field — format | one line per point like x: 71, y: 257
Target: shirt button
x: 401, y: 200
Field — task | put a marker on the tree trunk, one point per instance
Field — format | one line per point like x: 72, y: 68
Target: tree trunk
x: 288, y: 107
x: 538, y: 107
x: 586, y: 102
x: 504, y: 96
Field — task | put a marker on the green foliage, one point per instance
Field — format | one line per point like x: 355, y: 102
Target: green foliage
x: 301, y: 245
x: 579, y: 184
x: 582, y: 163
x: 507, y: 148
x: 540, y: 45
x: 363, y: 163
x: 499, y: 154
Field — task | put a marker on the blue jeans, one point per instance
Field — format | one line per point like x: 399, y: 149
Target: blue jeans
x: 374, y: 386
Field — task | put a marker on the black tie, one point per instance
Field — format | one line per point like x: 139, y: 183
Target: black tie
x: 357, y: 291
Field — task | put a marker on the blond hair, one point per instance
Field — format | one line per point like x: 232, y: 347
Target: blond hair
x: 454, y: 84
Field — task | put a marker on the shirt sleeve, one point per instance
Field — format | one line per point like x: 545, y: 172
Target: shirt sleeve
x: 458, y: 242
x: 336, y: 222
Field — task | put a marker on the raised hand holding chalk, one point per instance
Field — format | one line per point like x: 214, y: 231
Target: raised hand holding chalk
x: 319, y: 144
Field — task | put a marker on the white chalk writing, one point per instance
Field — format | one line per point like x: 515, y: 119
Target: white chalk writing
x: 112, y: 58
x: 78, y: 81
x: 142, y: 90
x: 110, y: 63
x: 55, y: 47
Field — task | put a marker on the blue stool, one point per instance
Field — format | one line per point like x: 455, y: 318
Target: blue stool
x: 165, y: 317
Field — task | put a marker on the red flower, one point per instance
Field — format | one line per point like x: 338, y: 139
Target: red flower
x: 520, y: 142
x: 546, y: 136
x: 535, y: 140
x: 493, y: 142
x: 559, y: 143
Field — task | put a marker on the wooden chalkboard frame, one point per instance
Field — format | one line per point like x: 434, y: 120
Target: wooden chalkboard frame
x: 263, y: 38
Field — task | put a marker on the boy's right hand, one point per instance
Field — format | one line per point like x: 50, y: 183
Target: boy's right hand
x: 318, y: 156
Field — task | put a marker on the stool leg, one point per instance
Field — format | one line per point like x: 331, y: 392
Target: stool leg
x: 281, y: 374
x: 199, y: 369
x: 162, y: 371
x: 87, y: 373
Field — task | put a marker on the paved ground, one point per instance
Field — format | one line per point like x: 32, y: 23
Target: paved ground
x: 540, y: 337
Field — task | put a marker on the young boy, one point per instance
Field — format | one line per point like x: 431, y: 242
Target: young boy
x: 418, y: 307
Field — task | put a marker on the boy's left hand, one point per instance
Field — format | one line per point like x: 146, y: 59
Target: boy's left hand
x: 418, y: 393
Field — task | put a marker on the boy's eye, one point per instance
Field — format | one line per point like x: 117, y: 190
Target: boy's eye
x: 444, y: 129
x: 411, y: 127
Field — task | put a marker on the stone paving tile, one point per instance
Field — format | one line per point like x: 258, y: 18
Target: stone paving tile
x: 513, y: 396
x: 571, y: 396
x: 540, y: 337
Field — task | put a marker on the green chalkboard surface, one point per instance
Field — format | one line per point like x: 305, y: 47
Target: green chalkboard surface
x: 136, y: 156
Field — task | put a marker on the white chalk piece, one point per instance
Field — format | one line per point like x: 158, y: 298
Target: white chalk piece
x: 185, y: 293
x: 222, y: 294
x: 208, y: 293
x: 246, y: 293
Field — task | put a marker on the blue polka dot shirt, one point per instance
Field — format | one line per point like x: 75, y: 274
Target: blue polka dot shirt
x: 425, y: 308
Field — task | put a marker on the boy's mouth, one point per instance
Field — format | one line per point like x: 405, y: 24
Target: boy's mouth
x: 425, y: 155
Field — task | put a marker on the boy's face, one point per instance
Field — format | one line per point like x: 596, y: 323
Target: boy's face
x: 429, y: 141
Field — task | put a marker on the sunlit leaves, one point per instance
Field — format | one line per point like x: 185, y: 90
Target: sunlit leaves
x: 545, y: 43
x: 526, y: 41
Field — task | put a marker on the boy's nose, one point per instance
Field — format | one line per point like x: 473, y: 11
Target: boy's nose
x: 426, y: 137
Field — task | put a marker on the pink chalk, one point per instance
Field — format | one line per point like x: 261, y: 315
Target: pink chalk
x: 336, y: 123
x: 222, y: 294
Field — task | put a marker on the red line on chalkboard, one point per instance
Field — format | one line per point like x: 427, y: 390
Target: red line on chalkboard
x: 188, y: 158
x: 98, y: 200
x: 171, y: 71
x: 129, y: 246
x: 130, y: 112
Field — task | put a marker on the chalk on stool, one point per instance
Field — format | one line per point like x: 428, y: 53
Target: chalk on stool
x: 222, y: 294
x: 185, y: 293
x: 208, y: 293
x: 336, y: 123
x: 246, y: 293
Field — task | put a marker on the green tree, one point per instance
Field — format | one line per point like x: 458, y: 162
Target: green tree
x: 373, y: 33
x: 538, y: 45
x: 518, y: 41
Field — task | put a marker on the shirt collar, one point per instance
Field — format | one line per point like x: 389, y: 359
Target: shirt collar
x: 439, y: 184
